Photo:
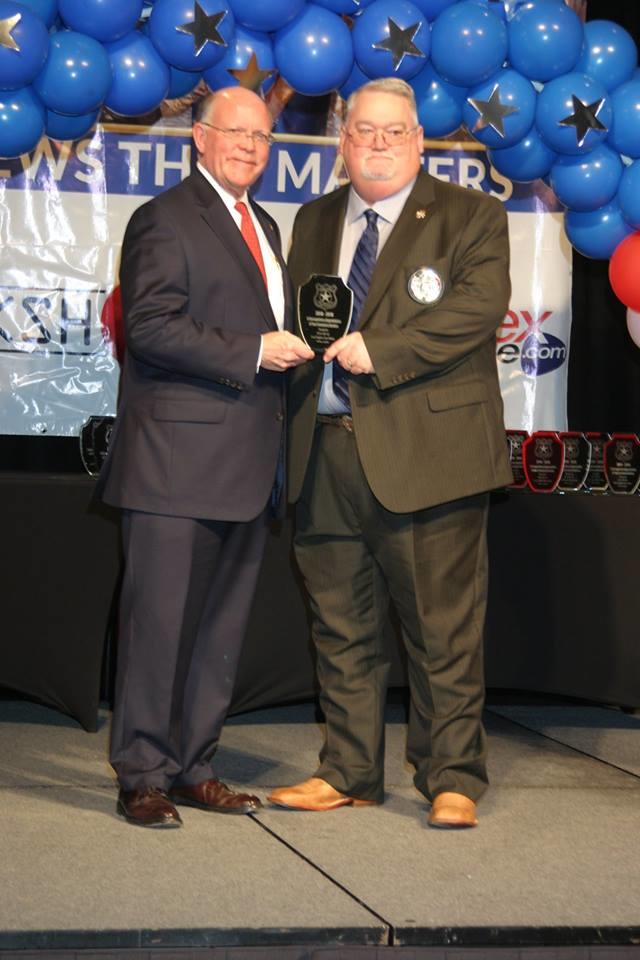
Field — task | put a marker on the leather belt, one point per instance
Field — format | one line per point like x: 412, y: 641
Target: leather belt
x: 336, y: 420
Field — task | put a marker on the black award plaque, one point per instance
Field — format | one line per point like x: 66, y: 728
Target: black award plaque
x: 325, y: 305
x: 543, y: 456
x: 95, y: 434
x: 577, y: 457
x: 596, y: 481
x: 515, y: 440
x: 622, y: 463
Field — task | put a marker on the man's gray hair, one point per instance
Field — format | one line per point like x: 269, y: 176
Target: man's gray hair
x: 393, y: 85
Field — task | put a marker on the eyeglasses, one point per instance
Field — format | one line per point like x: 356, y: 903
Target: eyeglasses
x: 364, y: 135
x: 238, y: 134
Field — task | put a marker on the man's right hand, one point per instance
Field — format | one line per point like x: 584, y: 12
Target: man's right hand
x: 281, y: 350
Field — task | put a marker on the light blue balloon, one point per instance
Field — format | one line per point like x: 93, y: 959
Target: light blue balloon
x: 624, y: 135
x: 439, y: 103
x: 47, y: 10
x: 179, y: 49
x: 545, y: 39
x: 266, y: 16
x: 242, y: 47
x: 468, y: 43
x: 60, y: 127
x: 77, y: 75
x: 525, y: 161
x: 629, y: 194
x: 314, y: 53
x: 589, y: 182
x: 18, y: 68
x: 355, y: 80
x: 182, y: 82
x: 106, y: 20
x: 372, y: 27
x: 597, y: 233
x: 140, y: 76
x: 609, y: 53
x: 513, y: 91
x: 555, y: 103
x: 21, y: 122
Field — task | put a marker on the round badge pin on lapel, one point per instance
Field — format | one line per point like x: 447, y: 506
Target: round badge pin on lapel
x: 425, y: 285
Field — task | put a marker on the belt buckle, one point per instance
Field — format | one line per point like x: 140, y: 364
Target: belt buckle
x: 346, y: 421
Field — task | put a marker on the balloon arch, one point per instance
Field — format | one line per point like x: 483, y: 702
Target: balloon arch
x: 547, y: 95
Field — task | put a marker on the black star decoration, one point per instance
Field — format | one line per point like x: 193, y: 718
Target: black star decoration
x: 204, y: 28
x: 400, y: 43
x: 251, y: 77
x: 6, y: 36
x: 491, y: 112
x: 584, y: 118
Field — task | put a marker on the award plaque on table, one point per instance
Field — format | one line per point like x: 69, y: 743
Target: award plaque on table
x: 596, y: 481
x: 577, y: 458
x: 515, y: 440
x: 622, y: 463
x: 95, y: 434
x: 325, y: 305
x: 543, y: 458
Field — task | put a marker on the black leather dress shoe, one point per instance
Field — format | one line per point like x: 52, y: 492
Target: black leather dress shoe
x: 149, y: 807
x: 216, y: 796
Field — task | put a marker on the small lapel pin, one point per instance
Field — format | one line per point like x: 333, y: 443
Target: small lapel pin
x: 421, y: 214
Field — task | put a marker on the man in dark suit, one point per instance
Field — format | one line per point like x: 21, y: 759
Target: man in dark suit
x: 195, y: 458
x: 394, y: 442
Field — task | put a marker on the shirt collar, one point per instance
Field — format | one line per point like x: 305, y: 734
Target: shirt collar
x: 388, y: 209
x: 227, y: 198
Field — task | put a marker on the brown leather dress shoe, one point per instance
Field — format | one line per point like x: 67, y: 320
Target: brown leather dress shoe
x: 149, y: 807
x: 314, y: 794
x: 216, y: 796
x: 452, y: 811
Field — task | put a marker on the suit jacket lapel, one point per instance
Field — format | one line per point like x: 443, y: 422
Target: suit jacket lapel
x: 274, y: 242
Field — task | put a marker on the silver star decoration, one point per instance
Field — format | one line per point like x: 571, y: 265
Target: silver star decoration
x: 6, y: 26
x: 400, y: 43
x: 491, y: 112
x: 204, y: 28
x: 584, y: 118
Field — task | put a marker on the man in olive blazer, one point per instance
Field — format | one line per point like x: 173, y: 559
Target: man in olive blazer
x: 392, y: 493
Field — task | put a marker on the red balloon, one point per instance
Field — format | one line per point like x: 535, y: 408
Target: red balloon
x: 624, y: 271
x: 111, y: 320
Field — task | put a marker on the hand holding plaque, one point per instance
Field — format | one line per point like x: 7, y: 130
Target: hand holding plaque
x: 325, y: 305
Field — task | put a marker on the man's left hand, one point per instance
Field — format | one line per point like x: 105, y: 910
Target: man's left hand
x: 351, y: 353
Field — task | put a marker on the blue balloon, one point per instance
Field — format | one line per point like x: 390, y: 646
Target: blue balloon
x: 21, y: 122
x: 557, y: 103
x: 624, y: 135
x: 468, y: 43
x: 266, y: 16
x: 597, y: 233
x: 355, y: 79
x: 629, y: 194
x: 106, y: 20
x: 510, y: 90
x: 439, y: 103
x: 545, y: 39
x: 24, y: 52
x: 373, y: 27
x: 589, y: 182
x: 77, y: 75
x: 60, y: 127
x: 180, y: 49
x: 433, y: 8
x: 349, y: 7
x: 242, y: 48
x: 182, y: 82
x: 524, y: 161
x: 140, y: 76
x: 314, y: 53
x: 47, y: 10
x: 609, y: 54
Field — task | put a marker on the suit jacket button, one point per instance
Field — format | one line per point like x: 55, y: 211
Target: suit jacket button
x: 280, y: 415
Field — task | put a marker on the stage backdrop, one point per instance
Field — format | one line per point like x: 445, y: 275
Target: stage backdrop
x: 65, y: 208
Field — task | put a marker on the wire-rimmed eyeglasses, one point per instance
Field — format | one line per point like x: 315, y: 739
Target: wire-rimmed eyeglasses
x: 364, y: 134
x: 238, y: 134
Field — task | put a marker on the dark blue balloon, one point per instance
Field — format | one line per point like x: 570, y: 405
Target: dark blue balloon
x: 624, y: 135
x: 468, y: 43
x: 47, y: 10
x: 181, y: 49
x: 524, y: 161
x: 243, y: 46
x: 140, y: 76
x: 77, y: 75
x: 511, y: 90
x: 182, y: 82
x: 609, y: 54
x: 556, y: 103
x: 439, y: 103
x: 629, y: 194
x: 373, y: 27
x: 355, y: 80
x: 589, y: 182
x: 60, y: 127
x: 545, y: 39
x: 597, y: 233
x: 266, y: 16
x: 106, y: 20
x: 24, y: 52
x: 314, y: 53
x: 21, y: 122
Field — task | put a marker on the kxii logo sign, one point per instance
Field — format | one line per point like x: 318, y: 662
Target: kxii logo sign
x: 522, y: 340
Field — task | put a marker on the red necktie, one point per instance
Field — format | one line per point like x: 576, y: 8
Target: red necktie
x: 250, y: 237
